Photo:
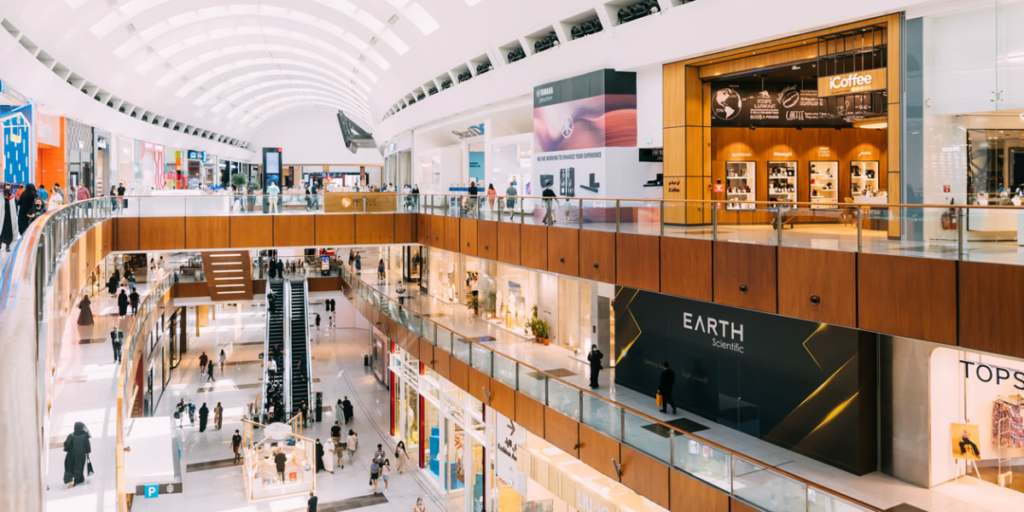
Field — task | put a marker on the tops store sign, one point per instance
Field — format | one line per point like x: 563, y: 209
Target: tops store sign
x: 852, y: 83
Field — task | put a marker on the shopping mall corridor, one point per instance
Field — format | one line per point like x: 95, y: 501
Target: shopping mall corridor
x: 212, y: 481
x: 878, y: 489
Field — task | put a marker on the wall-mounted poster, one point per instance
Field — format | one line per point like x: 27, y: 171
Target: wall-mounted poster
x: 965, y: 441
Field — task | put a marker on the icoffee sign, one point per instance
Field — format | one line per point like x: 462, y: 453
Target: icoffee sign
x: 852, y: 83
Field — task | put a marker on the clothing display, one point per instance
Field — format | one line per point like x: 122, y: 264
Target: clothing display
x: 1013, y: 437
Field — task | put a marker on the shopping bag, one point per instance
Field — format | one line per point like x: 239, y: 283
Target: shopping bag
x: 659, y: 400
x: 88, y: 466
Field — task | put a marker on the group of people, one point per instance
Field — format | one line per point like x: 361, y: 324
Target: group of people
x: 206, y: 365
x: 189, y: 408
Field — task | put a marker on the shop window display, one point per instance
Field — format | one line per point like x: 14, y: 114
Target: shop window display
x: 864, y: 178
x: 824, y: 184
x: 782, y: 184
x: 740, y: 184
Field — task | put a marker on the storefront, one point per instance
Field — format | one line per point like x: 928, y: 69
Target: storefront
x: 445, y: 432
x: 964, y: 128
x: 78, y: 145
x: 380, y: 347
x: 101, y: 160
x: 801, y: 119
x: 555, y: 481
x: 151, y: 165
x: 977, y: 417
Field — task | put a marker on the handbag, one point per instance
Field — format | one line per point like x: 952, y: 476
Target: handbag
x: 659, y: 400
x: 88, y: 466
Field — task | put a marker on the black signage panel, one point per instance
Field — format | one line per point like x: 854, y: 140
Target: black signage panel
x: 806, y: 386
x: 781, y: 102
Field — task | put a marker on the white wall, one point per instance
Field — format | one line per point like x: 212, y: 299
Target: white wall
x: 649, y: 101
x: 310, y: 137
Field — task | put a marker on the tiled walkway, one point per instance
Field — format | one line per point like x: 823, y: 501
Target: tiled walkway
x: 878, y: 489
x: 87, y: 387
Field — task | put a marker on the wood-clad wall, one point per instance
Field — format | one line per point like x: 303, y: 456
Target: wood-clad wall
x: 804, y: 146
x: 259, y: 231
x: 692, y: 167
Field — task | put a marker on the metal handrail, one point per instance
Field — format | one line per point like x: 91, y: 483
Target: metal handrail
x: 286, y: 306
x: 438, y: 327
x: 266, y: 350
x: 309, y: 349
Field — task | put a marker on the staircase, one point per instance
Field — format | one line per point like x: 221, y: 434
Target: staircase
x: 298, y: 321
x: 228, y: 275
x: 273, y: 348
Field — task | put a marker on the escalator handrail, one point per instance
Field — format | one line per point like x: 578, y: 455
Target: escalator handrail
x: 309, y: 348
x: 286, y: 330
x: 266, y: 352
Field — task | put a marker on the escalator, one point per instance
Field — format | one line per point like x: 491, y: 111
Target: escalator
x: 274, y: 349
x: 298, y: 307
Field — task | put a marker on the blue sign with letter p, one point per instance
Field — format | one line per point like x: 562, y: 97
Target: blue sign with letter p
x: 152, y: 491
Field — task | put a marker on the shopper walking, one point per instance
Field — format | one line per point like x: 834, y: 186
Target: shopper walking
x: 77, y: 447
x: 191, y: 412
x: 27, y: 207
x: 594, y: 358
x: 317, y: 321
x: 381, y: 276
x: 116, y: 342
x: 549, y: 204
x: 209, y: 372
x: 273, y: 191
x: 203, y: 359
x: 9, y: 232
x: 122, y: 304
x: 113, y: 197
x: 280, y: 459
x: 319, y: 456
x: 83, y: 193
x: 419, y: 506
x: 223, y: 361
x: 236, y: 443
x: 379, y: 454
x: 346, y: 408
x: 134, y: 299
x: 120, y: 195
x: 401, y: 458
x: 204, y: 415
x: 309, y: 198
x: 351, y: 443
x: 328, y: 457
x: 339, y: 411
x: 374, y: 473
x: 311, y: 503
x: 385, y: 472
x: 665, y: 384
x: 359, y: 264
x: 85, y: 311
x: 218, y: 416
x: 415, y: 197
x: 336, y: 434
x: 491, y: 195
x: 112, y: 286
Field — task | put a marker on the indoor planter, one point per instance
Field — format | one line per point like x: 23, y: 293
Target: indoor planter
x: 474, y: 304
x: 541, y: 330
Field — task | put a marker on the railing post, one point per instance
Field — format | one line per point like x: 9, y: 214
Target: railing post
x: 522, y: 210
x: 778, y: 225
x: 960, y: 233
x: 714, y: 222
x: 661, y: 218
x: 860, y: 230
x: 617, y: 219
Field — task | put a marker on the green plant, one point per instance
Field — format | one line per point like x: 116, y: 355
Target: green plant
x: 540, y: 327
x: 492, y: 302
x: 474, y: 304
x: 239, y: 180
x: 534, y: 311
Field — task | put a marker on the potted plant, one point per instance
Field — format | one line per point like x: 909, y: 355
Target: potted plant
x: 492, y: 303
x: 541, y: 330
x: 474, y: 304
